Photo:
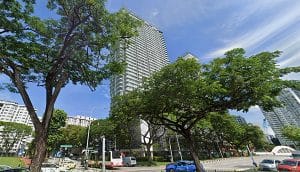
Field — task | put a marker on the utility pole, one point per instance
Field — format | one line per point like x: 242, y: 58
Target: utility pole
x: 103, y: 153
x: 87, y: 146
x: 179, y: 150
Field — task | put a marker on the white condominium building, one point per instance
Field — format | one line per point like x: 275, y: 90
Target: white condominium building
x: 13, y: 112
x: 144, y: 55
x: 79, y: 120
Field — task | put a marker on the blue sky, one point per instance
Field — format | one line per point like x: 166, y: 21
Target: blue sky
x: 206, y: 28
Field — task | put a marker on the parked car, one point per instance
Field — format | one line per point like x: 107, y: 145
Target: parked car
x: 183, y: 165
x: 129, y: 161
x: 4, y: 167
x: 289, y: 165
x: 49, y: 167
x: 68, y: 163
x: 269, y: 164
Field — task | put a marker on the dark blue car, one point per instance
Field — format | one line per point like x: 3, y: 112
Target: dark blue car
x: 180, y: 166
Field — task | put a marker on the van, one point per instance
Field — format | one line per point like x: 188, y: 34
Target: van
x: 129, y: 161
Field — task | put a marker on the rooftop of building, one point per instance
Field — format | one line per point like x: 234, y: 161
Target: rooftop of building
x: 139, y: 18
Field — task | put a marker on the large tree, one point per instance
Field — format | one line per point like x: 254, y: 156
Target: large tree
x: 248, y: 135
x: 224, y: 129
x: 74, y: 47
x: 151, y: 135
x: 186, y: 91
x: 100, y: 128
x: 74, y: 135
x: 126, y: 121
x: 12, y: 133
x: 55, y: 134
x: 125, y: 117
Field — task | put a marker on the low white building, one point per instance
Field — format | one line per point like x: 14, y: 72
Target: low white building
x: 13, y: 112
x: 79, y: 120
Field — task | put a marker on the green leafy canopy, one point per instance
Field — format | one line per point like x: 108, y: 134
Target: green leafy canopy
x: 79, y: 46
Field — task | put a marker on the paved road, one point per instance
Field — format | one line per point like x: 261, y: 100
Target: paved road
x: 238, y: 163
x: 127, y: 169
x: 228, y: 164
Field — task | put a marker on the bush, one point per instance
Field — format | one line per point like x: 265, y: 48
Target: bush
x: 147, y: 163
x: 138, y: 159
x: 160, y: 159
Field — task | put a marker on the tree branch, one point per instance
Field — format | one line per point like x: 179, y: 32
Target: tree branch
x: 52, y: 98
x: 15, y: 77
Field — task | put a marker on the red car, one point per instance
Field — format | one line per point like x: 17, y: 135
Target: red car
x: 289, y: 165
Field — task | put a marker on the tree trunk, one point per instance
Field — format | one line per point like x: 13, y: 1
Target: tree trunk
x: 188, y: 136
x: 148, y: 152
x: 40, y: 150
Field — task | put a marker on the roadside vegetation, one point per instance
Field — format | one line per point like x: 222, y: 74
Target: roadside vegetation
x: 12, y: 161
x: 185, y: 92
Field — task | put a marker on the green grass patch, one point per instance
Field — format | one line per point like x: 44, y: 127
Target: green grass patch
x: 11, y: 161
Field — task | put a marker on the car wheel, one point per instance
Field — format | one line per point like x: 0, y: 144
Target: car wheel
x: 172, y: 170
x: 127, y: 165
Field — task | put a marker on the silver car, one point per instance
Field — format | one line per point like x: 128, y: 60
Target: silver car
x: 269, y: 164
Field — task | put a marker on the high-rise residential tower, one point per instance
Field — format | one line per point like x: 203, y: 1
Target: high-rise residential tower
x: 239, y: 119
x: 144, y: 55
x: 288, y: 114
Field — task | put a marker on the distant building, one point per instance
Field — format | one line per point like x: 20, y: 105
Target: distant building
x: 240, y: 119
x: 13, y: 112
x: 145, y: 55
x: 79, y: 120
x: 189, y: 56
x: 289, y: 114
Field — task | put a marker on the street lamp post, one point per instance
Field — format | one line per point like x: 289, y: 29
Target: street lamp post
x: 87, y: 146
x: 103, y: 153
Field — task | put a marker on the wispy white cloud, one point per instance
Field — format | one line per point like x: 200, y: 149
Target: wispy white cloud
x: 154, y: 13
x: 241, y: 14
x: 174, y: 12
x: 252, y: 39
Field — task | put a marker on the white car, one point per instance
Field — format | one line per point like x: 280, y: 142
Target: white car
x: 129, y: 161
x: 269, y: 164
x: 50, y: 167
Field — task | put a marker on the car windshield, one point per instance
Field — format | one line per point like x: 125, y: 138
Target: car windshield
x: 185, y: 162
x: 289, y: 163
x: 268, y: 161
